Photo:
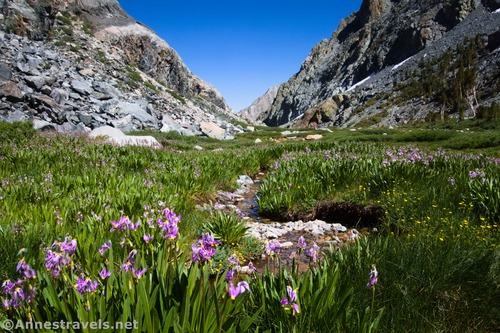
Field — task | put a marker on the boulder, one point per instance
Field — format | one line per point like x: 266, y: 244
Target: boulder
x: 115, y: 136
x: 42, y: 125
x: 211, y: 130
x: 137, y: 111
x: 12, y: 92
x: 17, y: 116
x: 105, y: 131
x: 81, y: 87
x: 5, y: 73
x: 38, y: 81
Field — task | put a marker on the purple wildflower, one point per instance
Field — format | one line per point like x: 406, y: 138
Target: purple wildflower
x: 169, y: 224
x: 171, y: 231
x: 8, y: 287
x: 104, y: 273
x: 302, y: 243
x: 127, y: 265
x: 138, y: 273
x: 17, y: 293
x: 104, y: 247
x: 230, y: 274
x: 7, y: 304
x: 312, y: 253
x: 25, y: 269
x: 122, y: 224
x: 132, y: 254
x: 58, y: 257
x: 292, y: 294
x: 476, y: 173
x: 147, y: 238
x: 273, y: 247
x: 233, y: 260
x: 353, y: 234
x: 85, y: 285
x: 129, y: 262
x: 133, y: 226
x: 240, y: 288
x: 372, y: 277
x: 204, y: 248
x: 69, y: 245
x: 290, y: 301
x: 251, y: 267
x: 219, y: 206
x: 171, y: 216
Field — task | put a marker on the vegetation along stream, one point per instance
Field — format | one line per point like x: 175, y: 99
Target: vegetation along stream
x: 400, y: 231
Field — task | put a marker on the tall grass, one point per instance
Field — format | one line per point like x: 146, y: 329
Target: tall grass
x: 436, y: 250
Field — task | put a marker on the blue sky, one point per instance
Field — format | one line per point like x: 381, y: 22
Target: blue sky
x: 242, y: 47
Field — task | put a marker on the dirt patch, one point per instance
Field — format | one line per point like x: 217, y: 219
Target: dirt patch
x: 349, y: 214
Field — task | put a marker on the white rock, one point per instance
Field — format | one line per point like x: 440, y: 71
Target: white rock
x: 254, y: 233
x: 339, y: 227
x: 314, y: 137
x: 270, y: 235
x: 244, y: 180
x: 114, y: 135
x: 277, y: 231
x: 317, y: 232
x: 286, y: 245
x: 106, y: 131
x: 129, y: 140
x: 258, y: 140
x: 212, y: 130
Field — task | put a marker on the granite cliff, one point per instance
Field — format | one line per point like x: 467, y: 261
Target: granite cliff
x: 365, y: 72
x: 74, y: 65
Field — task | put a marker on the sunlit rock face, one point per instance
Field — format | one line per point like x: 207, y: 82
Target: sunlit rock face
x: 74, y: 64
x: 370, y: 48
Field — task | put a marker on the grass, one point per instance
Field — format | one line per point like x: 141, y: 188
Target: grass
x: 436, y: 250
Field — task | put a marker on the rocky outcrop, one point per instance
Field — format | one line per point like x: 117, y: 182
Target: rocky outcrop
x: 354, y: 77
x: 79, y: 65
x: 260, y: 105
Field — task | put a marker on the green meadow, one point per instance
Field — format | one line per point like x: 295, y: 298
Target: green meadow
x: 91, y: 232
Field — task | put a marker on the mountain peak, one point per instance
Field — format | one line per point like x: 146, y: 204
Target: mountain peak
x: 359, y: 72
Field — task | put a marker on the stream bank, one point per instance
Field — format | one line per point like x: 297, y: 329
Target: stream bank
x: 326, y: 233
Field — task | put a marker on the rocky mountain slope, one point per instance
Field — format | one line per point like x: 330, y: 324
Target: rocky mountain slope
x: 260, y: 105
x: 396, y: 62
x: 74, y: 65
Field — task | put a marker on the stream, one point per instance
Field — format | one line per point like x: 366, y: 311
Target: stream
x: 325, y: 235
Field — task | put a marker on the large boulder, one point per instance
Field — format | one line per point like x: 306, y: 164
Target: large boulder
x: 212, y: 130
x: 115, y: 136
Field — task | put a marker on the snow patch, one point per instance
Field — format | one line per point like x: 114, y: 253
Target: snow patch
x: 401, y: 63
x: 298, y: 117
x: 358, y: 83
x: 497, y: 11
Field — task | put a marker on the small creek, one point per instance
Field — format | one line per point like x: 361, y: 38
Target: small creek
x: 324, y: 234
